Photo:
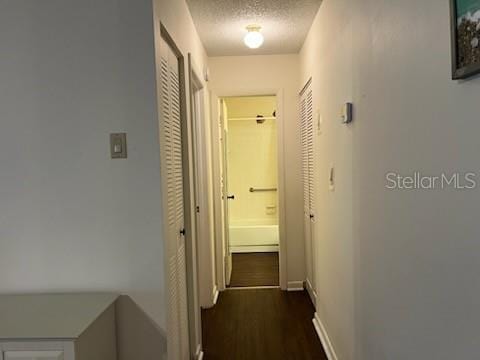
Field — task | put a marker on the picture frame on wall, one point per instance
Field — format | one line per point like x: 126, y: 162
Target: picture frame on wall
x: 465, y: 33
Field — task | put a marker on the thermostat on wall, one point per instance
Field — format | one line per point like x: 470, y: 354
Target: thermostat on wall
x: 347, y: 113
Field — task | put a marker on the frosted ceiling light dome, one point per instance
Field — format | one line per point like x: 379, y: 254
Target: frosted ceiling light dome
x: 254, y: 39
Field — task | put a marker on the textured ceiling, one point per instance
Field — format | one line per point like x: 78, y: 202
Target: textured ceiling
x: 221, y: 24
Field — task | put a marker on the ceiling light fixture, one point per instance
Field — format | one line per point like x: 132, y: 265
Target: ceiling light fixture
x: 253, y: 39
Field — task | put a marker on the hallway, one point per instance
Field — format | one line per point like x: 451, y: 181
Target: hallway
x: 261, y: 325
x: 255, y: 269
x: 193, y: 158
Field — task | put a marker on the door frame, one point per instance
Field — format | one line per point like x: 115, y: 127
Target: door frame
x: 227, y: 260
x: 219, y: 202
x: 200, y: 198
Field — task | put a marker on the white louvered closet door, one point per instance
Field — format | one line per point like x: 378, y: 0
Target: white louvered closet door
x: 307, y: 139
x: 173, y: 190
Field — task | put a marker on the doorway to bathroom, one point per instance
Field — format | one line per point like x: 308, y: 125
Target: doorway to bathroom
x: 250, y: 144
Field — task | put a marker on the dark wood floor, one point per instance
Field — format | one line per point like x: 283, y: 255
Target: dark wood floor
x: 261, y: 325
x: 254, y: 269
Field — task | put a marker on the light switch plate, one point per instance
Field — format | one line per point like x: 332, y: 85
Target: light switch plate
x: 118, y: 145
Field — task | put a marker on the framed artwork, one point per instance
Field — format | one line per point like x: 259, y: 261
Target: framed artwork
x: 465, y: 24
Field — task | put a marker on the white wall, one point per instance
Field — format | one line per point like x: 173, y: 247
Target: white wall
x: 329, y: 64
x: 176, y: 18
x: 72, y: 219
x: 425, y: 243
x: 267, y: 75
x: 398, y: 267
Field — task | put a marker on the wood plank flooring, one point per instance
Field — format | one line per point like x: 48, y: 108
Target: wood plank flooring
x: 261, y: 325
x: 255, y: 269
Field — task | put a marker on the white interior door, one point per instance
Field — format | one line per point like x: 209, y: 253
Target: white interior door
x: 307, y: 139
x: 172, y: 182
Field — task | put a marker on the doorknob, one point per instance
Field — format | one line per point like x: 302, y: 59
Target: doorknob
x: 231, y: 197
x: 312, y: 216
x: 182, y: 232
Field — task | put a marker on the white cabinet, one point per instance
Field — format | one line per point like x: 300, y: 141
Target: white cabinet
x: 24, y: 349
x: 33, y: 355
x: 58, y: 327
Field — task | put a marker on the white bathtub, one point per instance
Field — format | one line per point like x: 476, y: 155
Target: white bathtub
x: 254, y: 238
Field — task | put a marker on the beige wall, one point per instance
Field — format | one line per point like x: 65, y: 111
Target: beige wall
x: 138, y: 337
x: 329, y: 65
x: 267, y: 75
x: 397, y: 269
x: 250, y: 106
x: 252, y: 161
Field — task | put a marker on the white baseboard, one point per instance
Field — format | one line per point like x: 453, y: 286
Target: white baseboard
x: 199, y: 354
x: 323, y: 335
x: 311, y: 292
x: 254, y: 249
x: 295, y: 286
x: 215, y: 295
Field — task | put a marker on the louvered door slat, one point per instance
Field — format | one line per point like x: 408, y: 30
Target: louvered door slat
x: 304, y: 139
x: 167, y: 141
x: 310, y: 151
